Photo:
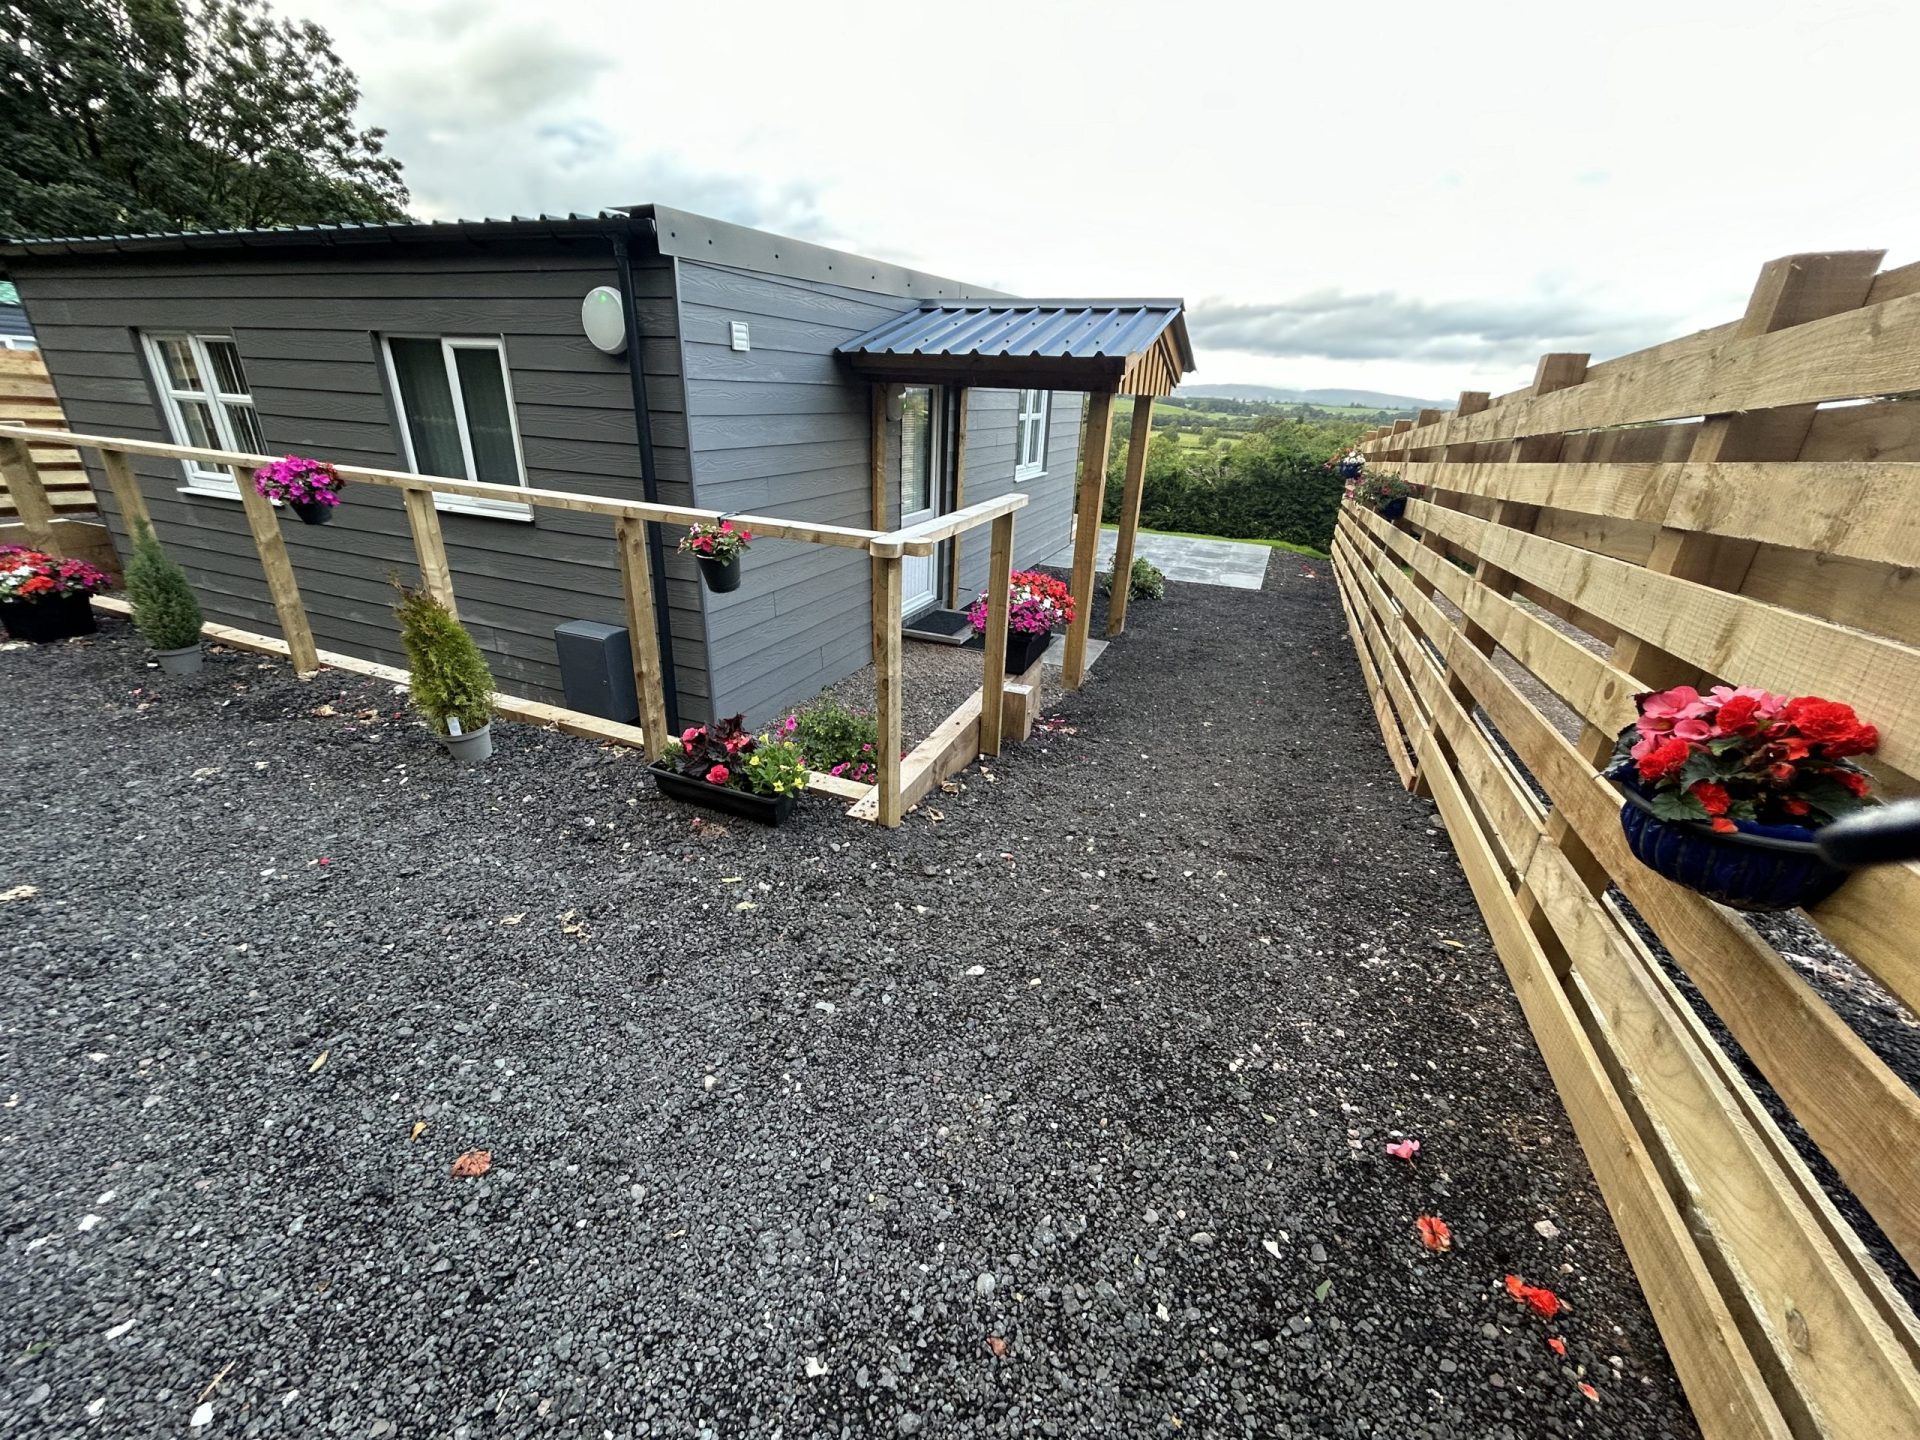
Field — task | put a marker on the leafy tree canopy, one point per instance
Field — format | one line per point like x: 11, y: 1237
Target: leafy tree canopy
x: 136, y: 115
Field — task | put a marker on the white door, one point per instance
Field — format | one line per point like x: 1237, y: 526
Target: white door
x: 919, y: 491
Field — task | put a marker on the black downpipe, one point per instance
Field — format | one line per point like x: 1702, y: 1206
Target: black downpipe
x: 649, y: 480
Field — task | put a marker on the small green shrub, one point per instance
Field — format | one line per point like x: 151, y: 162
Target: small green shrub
x: 774, y: 767
x: 1147, y: 582
x: 450, y: 675
x: 833, y: 738
x: 165, y: 610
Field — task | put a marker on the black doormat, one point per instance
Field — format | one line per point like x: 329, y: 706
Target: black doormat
x: 943, y: 627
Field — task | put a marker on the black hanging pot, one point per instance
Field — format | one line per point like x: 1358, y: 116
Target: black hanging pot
x: 720, y: 575
x: 1393, y: 509
x: 1755, y: 867
x: 58, y: 617
x: 312, y: 511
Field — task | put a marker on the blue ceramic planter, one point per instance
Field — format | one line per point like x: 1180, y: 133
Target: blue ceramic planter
x: 1756, y: 868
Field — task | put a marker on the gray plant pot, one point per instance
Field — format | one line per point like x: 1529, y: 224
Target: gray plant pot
x: 470, y: 748
x: 184, y: 661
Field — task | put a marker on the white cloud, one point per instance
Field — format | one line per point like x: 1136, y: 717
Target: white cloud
x: 1348, y: 197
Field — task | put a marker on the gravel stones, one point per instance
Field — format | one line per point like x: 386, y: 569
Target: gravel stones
x: 1236, y: 971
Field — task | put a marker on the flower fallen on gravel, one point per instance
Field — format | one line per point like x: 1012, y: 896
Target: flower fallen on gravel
x: 1435, y: 1233
x: 1588, y: 1391
x: 1404, y: 1149
x: 1557, y: 1345
x: 1541, y: 1301
x: 997, y: 1346
x: 473, y: 1163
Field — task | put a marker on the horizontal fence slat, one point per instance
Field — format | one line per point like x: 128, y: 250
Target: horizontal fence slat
x: 1857, y: 510
x: 1742, y: 640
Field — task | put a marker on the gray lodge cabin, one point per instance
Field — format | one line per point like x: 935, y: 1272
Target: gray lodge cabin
x: 463, y: 349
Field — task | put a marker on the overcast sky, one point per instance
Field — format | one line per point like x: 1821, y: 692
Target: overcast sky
x: 1409, y: 198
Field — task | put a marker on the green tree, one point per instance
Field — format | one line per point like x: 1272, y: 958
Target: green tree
x: 450, y: 676
x: 165, y: 611
x: 129, y: 115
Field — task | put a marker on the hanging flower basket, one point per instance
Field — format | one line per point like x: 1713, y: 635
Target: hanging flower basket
x: 43, y: 598
x: 718, y: 549
x: 1753, y: 867
x: 1725, y: 792
x: 309, y: 488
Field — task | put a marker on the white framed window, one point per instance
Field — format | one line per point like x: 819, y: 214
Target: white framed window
x: 457, y: 418
x: 1030, y: 455
x: 204, y: 395
x: 18, y: 342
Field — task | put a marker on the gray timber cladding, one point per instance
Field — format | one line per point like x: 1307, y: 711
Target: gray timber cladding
x: 308, y: 326
x: 783, y: 429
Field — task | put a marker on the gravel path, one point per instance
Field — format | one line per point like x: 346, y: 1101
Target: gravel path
x: 1059, y: 1111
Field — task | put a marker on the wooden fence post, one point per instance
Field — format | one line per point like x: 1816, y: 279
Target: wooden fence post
x: 1086, y: 533
x: 993, y: 677
x: 29, y: 495
x: 281, y: 586
x: 636, y: 583
x: 1139, y: 435
x: 886, y: 684
x: 127, y: 493
x: 430, y: 548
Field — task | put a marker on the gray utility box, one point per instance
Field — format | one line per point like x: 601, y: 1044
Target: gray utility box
x: 596, y: 669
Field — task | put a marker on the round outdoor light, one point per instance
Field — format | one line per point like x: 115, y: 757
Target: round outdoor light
x: 604, y: 319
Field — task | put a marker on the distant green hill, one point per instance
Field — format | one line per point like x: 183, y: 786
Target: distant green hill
x: 1367, y: 399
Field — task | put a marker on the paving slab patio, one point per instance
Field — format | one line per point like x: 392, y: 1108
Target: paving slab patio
x: 1191, y: 559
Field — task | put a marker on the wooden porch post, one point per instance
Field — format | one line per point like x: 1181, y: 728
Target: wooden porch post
x: 1086, y: 533
x: 993, y: 678
x: 1137, y: 440
x: 959, y: 498
x: 636, y: 583
x: 29, y: 495
x: 281, y: 586
x: 878, y: 461
x: 126, y: 490
x: 886, y: 684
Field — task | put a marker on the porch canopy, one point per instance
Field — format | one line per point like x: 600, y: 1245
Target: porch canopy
x: 1101, y: 347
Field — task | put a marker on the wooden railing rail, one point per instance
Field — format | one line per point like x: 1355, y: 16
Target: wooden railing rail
x: 886, y: 549
x: 1698, y: 512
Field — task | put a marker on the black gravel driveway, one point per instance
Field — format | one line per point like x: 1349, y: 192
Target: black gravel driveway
x: 1060, y: 1111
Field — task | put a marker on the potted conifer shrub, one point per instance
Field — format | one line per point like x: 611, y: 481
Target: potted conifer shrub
x: 1726, y: 792
x: 452, y: 687
x: 1036, y: 602
x: 165, y: 609
x: 44, y: 598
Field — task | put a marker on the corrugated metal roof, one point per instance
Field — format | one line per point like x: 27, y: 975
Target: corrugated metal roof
x: 348, y: 233
x: 1028, y: 329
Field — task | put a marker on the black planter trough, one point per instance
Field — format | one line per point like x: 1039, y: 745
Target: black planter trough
x: 765, y: 809
x: 1755, y: 868
x: 1024, y: 648
x: 60, y: 617
x: 720, y: 575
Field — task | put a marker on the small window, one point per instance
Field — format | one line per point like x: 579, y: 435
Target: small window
x: 204, y: 394
x: 456, y: 417
x: 1031, y: 456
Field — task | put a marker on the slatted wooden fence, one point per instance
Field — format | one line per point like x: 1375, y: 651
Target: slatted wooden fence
x: 1699, y: 511
x: 27, y: 398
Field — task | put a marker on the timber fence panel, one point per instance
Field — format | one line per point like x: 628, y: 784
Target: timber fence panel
x: 1738, y: 506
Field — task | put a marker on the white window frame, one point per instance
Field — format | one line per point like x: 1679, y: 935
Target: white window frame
x: 202, y: 478
x: 1031, y: 424
x: 449, y: 344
